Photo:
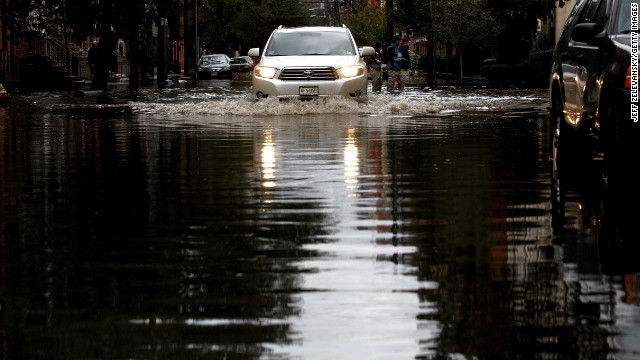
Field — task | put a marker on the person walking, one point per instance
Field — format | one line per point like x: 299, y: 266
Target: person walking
x: 374, y: 67
x: 396, y: 56
x: 412, y: 66
x: 407, y: 69
x: 92, y: 57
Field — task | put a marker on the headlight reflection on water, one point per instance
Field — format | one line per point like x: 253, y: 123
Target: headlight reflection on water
x: 351, y: 160
x: 268, y: 157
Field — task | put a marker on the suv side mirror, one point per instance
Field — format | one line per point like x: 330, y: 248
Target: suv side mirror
x: 587, y: 33
x: 367, y: 51
x: 254, y: 52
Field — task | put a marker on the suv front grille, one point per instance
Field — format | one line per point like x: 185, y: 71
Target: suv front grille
x: 308, y: 73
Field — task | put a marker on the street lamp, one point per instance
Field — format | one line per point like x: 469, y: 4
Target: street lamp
x: 197, y: 41
x: 66, y: 42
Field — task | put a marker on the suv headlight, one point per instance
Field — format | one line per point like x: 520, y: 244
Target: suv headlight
x: 352, y: 71
x: 265, y: 72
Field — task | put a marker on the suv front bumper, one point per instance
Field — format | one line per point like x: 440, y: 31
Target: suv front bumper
x: 349, y: 88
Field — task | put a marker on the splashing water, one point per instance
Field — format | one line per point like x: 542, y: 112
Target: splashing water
x: 410, y: 103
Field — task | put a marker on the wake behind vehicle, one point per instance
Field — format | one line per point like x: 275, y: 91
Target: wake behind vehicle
x: 310, y: 62
x: 590, y: 89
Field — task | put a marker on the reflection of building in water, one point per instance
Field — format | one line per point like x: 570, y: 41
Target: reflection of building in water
x: 563, y: 303
x: 382, y: 184
x: 506, y: 289
x: 632, y: 288
x: 539, y: 297
x: 8, y: 219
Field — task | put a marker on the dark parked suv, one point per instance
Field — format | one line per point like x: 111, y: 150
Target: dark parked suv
x: 590, y: 88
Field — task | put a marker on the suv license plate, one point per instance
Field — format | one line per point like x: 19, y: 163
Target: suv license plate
x: 309, y: 90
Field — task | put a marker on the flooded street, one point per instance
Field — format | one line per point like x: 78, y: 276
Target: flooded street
x: 195, y: 223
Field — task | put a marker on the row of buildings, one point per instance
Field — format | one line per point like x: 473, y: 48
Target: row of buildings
x: 32, y: 59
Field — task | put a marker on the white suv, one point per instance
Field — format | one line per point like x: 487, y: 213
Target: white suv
x: 310, y: 62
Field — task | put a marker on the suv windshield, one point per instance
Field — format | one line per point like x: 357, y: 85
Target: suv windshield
x: 624, y: 16
x: 310, y: 43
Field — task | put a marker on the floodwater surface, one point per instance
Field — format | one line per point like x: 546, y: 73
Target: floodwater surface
x: 195, y: 223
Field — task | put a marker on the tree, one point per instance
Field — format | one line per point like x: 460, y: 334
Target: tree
x: 465, y: 24
x: 520, y: 21
x: 230, y: 25
x: 107, y: 20
x: 40, y: 16
x: 127, y: 19
x: 367, y: 24
x: 81, y: 17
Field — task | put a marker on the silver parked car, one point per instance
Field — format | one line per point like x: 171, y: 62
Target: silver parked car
x: 310, y: 62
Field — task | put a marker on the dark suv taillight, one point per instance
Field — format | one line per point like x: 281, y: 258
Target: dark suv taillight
x: 627, y: 81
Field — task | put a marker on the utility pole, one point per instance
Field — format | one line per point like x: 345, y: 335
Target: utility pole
x: 162, y: 48
x: 197, y: 40
x: 185, y: 45
x: 433, y: 45
x: 389, y: 30
x: 66, y: 43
